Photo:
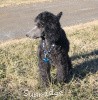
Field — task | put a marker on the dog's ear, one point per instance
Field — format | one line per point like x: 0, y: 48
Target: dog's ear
x: 59, y: 15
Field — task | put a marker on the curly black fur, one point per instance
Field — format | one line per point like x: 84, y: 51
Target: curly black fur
x: 53, y: 34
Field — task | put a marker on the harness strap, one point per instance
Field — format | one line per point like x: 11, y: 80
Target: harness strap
x: 46, y: 52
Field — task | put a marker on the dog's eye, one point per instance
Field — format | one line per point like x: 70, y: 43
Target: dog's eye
x: 40, y: 25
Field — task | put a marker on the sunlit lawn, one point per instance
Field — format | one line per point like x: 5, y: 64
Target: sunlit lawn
x: 19, y: 72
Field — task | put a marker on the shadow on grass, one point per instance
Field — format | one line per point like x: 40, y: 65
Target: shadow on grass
x: 88, y: 66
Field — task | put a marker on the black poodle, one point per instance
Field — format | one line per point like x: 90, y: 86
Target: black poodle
x: 53, y: 48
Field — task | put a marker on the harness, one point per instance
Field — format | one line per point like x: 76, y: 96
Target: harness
x: 47, y: 52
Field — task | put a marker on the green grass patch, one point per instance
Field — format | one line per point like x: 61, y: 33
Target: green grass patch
x: 19, y: 76
x: 4, y: 3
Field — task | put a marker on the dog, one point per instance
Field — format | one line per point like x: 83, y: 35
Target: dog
x: 53, y: 47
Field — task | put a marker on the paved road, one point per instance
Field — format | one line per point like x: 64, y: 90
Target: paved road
x: 16, y: 21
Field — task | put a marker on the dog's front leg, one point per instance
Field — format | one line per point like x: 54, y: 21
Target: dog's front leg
x: 44, y: 69
x: 62, y: 69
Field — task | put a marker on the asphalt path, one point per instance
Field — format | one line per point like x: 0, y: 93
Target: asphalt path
x: 16, y: 21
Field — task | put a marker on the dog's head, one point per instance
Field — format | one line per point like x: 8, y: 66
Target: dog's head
x: 45, y: 22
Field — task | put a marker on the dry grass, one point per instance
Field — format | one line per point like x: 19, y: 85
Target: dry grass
x: 19, y: 73
x: 4, y: 3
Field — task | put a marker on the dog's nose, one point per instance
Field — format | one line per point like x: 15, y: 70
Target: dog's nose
x: 27, y: 35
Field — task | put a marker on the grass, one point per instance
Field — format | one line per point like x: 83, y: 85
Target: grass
x: 19, y: 77
x: 4, y: 3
